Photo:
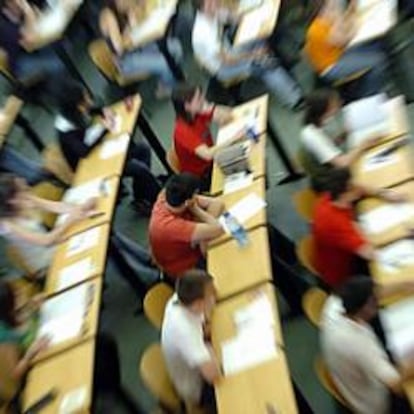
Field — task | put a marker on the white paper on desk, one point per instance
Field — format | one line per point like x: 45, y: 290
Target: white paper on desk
x: 385, y: 217
x: 93, y: 133
x: 114, y: 146
x: 75, y: 273
x: 249, y: 348
x: 397, y: 115
x: 83, y: 241
x: 237, y: 181
x: 258, y: 312
x: 246, y: 5
x: 373, y: 161
x: 396, y: 255
x: 74, y: 401
x: 61, y: 318
x: 93, y: 188
x: 227, y: 132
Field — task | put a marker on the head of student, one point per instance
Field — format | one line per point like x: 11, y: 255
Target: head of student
x: 207, y: 6
x: 196, y: 291
x: 180, y: 191
x: 7, y: 305
x: 322, y: 104
x: 188, y: 101
x: 337, y: 182
x: 12, y: 195
x: 358, y: 298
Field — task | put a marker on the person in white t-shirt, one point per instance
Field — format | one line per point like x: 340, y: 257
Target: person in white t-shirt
x: 356, y: 359
x: 190, y: 360
x: 225, y: 62
x: 322, y: 139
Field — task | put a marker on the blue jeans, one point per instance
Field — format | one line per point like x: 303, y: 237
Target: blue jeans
x: 358, y: 58
x: 16, y: 163
x: 149, y: 59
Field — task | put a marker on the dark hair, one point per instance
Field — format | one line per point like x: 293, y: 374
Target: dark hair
x: 191, y: 286
x: 8, y: 190
x: 181, y: 94
x: 180, y: 188
x: 335, y: 181
x: 355, y: 293
x: 7, y: 304
x: 317, y: 105
x: 198, y: 4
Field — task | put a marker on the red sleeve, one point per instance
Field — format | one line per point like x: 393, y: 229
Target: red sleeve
x: 348, y: 237
x: 182, y: 229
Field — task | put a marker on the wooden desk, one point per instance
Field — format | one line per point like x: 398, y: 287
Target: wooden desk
x: 9, y: 113
x: 257, y: 160
x: 387, y: 174
x: 259, y: 219
x: 254, y: 389
x: 96, y: 254
x: 398, y: 231
x: 66, y: 373
x: 90, y: 322
x: 237, y: 269
x: 258, y: 24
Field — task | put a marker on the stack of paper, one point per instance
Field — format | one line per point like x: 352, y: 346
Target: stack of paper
x: 61, y: 318
x: 385, y: 217
x: 396, y: 255
x: 75, y: 273
x: 398, y: 323
x: 83, y: 241
x: 114, y: 146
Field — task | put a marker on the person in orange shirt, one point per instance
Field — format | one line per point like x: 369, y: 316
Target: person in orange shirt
x: 328, y: 51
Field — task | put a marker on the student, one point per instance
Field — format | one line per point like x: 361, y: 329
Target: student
x: 338, y: 239
x: 327, y: 47
x: 117, y: 22
x: 17, y: 19
x: 228, y: 63
x: 193, y: 142
x: 17, y: 347
x: 190, y: 359
x: 77, y: 137
x: 181, y: 223
x: 322, y: 139
x: 355, y: 357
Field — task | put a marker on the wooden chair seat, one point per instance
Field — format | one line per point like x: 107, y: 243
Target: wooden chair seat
x: 173, y: 160
x: 304, y: 202
x: 55, y: 162
x: 155, y: 302
x: 305, y: 251
x: 312, y: 303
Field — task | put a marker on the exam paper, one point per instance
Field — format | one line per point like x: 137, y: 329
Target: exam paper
x: 237, y: 181
x: 74, y: 401
x: 83, y: 241
x: 93, y: 188
x: 227, y: 132
x: 396, y: 255
x: 114, y: 146
x: 385, y: 217
x: 75, y: 273
x: 375, y: 161
x: 93, y: 133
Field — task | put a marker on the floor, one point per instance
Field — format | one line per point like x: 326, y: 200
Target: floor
x: 133, y: 332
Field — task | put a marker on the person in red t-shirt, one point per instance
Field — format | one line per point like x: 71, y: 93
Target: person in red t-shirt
x: 193, y: 142
x: 338, y: 239
x: 181, y: 221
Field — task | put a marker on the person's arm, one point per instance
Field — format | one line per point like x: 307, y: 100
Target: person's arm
x: 204, y: 232
x: 344, y: 27
x: 211, y: 371
x: 213, y: 206
x: 24, y: 363
x: 60, y: 207
x: 366, y: 251
x: 222, y: 115
x: 110, y: 29
x: 383, y: 292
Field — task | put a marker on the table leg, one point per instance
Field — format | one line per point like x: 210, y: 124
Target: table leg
x: 293, y: 174
x: 30, y: 133
x: 174, y: 67
x: 153, y: 140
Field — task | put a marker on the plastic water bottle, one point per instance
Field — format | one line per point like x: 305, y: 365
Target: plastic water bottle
x: 236, y: 229
x: 252, y: 134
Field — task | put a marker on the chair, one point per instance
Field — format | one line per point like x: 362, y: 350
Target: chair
x: 155, y: 377
x: 155, y: 301
x: 55, y: 162
x: 4, y: 66
x: 173, y: 160
x: 327, y: 382
x: 312, y: 304
x: 305, y: 251
x: 304, y: 202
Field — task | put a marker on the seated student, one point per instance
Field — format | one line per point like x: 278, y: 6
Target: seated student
x: 193, y: 142
x: 17, y: 344
x: 181, y: 222
x: 321, y: 139
x: 338, y: 239
x: 190, y: 359
x: 355, y: 357
x: 327, y: 48
x: 117, y: 22
x: 77, y: 137
x: 227, y: 63
x: 17, y: 19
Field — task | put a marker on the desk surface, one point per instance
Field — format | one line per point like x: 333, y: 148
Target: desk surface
x: 235, y: 268
x: 67, y: 373
x: 255, y: 389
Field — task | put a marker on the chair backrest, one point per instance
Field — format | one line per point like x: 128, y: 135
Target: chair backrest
x: 155, y: 377
x: 173, y: 160
x: 55, y: 162
x: 155, y: 302
x: 304, y: 202
x: 312, y: 303
x: 305, y: 251
x: 102, y: 57
x: 327, y: 382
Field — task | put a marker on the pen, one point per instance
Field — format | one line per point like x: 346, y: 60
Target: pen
x: 392, y: 148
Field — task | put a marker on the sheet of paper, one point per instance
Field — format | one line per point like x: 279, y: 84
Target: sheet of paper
x: 247, y: 349
x: 237, y: 181
x: 246, y: 5
x: 227, y: 132
x: 251, y: 26
x: 396, y: 255
x: 93, y: 133
x: 75, y: 273
x: 385, y: 217
x: 74, y: 401
x: 374, y: 161
x: 83, y: 241
x: 94, y: 188
x: 114, y: 146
